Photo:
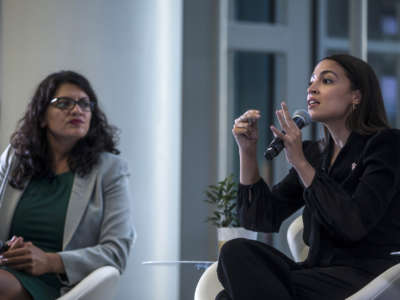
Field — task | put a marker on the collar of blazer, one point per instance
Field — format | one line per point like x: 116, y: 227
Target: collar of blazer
x: 81, y: 192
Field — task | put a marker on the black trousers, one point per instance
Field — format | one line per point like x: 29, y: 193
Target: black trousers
x: 251, y: 270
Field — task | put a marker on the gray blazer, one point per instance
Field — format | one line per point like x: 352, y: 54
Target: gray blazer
x: 98, y: 226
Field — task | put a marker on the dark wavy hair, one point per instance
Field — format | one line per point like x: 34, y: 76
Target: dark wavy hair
x: 370, y: 115
x: 30, y: 141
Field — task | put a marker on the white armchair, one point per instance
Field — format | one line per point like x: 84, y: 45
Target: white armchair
x: 101, y: 284
x: 208, y: 286
x: 385, y: 287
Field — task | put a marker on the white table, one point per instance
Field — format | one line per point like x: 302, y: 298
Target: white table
x: 199, y: 264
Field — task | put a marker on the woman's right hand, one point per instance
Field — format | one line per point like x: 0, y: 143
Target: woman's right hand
x: 245, y: 130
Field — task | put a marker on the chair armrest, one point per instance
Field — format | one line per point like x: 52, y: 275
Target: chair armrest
x: 208, y: 286
x: 100, y: 284
x: 295, y: 240
x: 384, y: 287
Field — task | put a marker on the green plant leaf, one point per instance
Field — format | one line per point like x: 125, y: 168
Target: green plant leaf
x: 223, y: 197
x: 232, y: 207
x: 211, y: 197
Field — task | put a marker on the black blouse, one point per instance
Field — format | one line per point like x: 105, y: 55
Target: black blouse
x: 351, y: 210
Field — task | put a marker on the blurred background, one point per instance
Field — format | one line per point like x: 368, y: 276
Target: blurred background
x: 173, y: 75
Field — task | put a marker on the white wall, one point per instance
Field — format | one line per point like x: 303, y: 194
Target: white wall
x: 131, y: 52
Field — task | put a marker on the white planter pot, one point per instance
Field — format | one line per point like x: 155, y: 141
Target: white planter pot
x: 229, y: 233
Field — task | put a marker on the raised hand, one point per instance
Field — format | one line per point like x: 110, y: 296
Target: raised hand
x: 292, y: 136
x: 293, y: 145
x: 245, y: 130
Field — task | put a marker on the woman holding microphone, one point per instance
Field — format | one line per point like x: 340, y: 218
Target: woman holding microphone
x: 347, y: 182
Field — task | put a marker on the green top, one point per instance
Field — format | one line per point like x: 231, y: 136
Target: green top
x: 40, y: 219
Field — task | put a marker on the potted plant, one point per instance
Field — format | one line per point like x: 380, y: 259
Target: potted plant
x: 223, y: 197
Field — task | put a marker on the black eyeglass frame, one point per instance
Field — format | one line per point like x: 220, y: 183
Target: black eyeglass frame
x: 76, y: 102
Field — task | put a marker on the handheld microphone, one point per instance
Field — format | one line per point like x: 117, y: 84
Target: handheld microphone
x: 302, y: 119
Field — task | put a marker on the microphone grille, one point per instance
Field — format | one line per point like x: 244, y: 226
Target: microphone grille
x: 304, y: 115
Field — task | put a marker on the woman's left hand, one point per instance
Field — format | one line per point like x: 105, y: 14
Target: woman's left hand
x: 291, y: 138
x: 27, y: 258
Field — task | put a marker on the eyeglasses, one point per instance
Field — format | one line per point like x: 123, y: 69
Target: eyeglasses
x: 66, y: 103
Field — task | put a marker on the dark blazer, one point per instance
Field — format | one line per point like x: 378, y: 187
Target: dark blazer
x: 351, y: 209
x: 98, y: 226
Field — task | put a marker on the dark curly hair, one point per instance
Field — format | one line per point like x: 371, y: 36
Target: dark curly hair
x: 30, y: 142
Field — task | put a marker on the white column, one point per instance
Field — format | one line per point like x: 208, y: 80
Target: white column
x: 131, y: 52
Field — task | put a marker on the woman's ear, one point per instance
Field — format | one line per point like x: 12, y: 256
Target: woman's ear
x: 356, y: 97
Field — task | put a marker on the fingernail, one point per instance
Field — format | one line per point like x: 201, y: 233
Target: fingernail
x: 9, y: 242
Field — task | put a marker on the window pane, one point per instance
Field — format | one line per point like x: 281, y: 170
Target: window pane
x: 337, y: 13
x: 261, y: 11
x: 386, y: 67
x: 255, y: 87
x: 384, y: 51
x: 383, y: 19
x: 259, y: 79
x: 383, y: 43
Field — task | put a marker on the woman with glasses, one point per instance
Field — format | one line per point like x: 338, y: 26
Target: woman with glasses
x: 65, y: 200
